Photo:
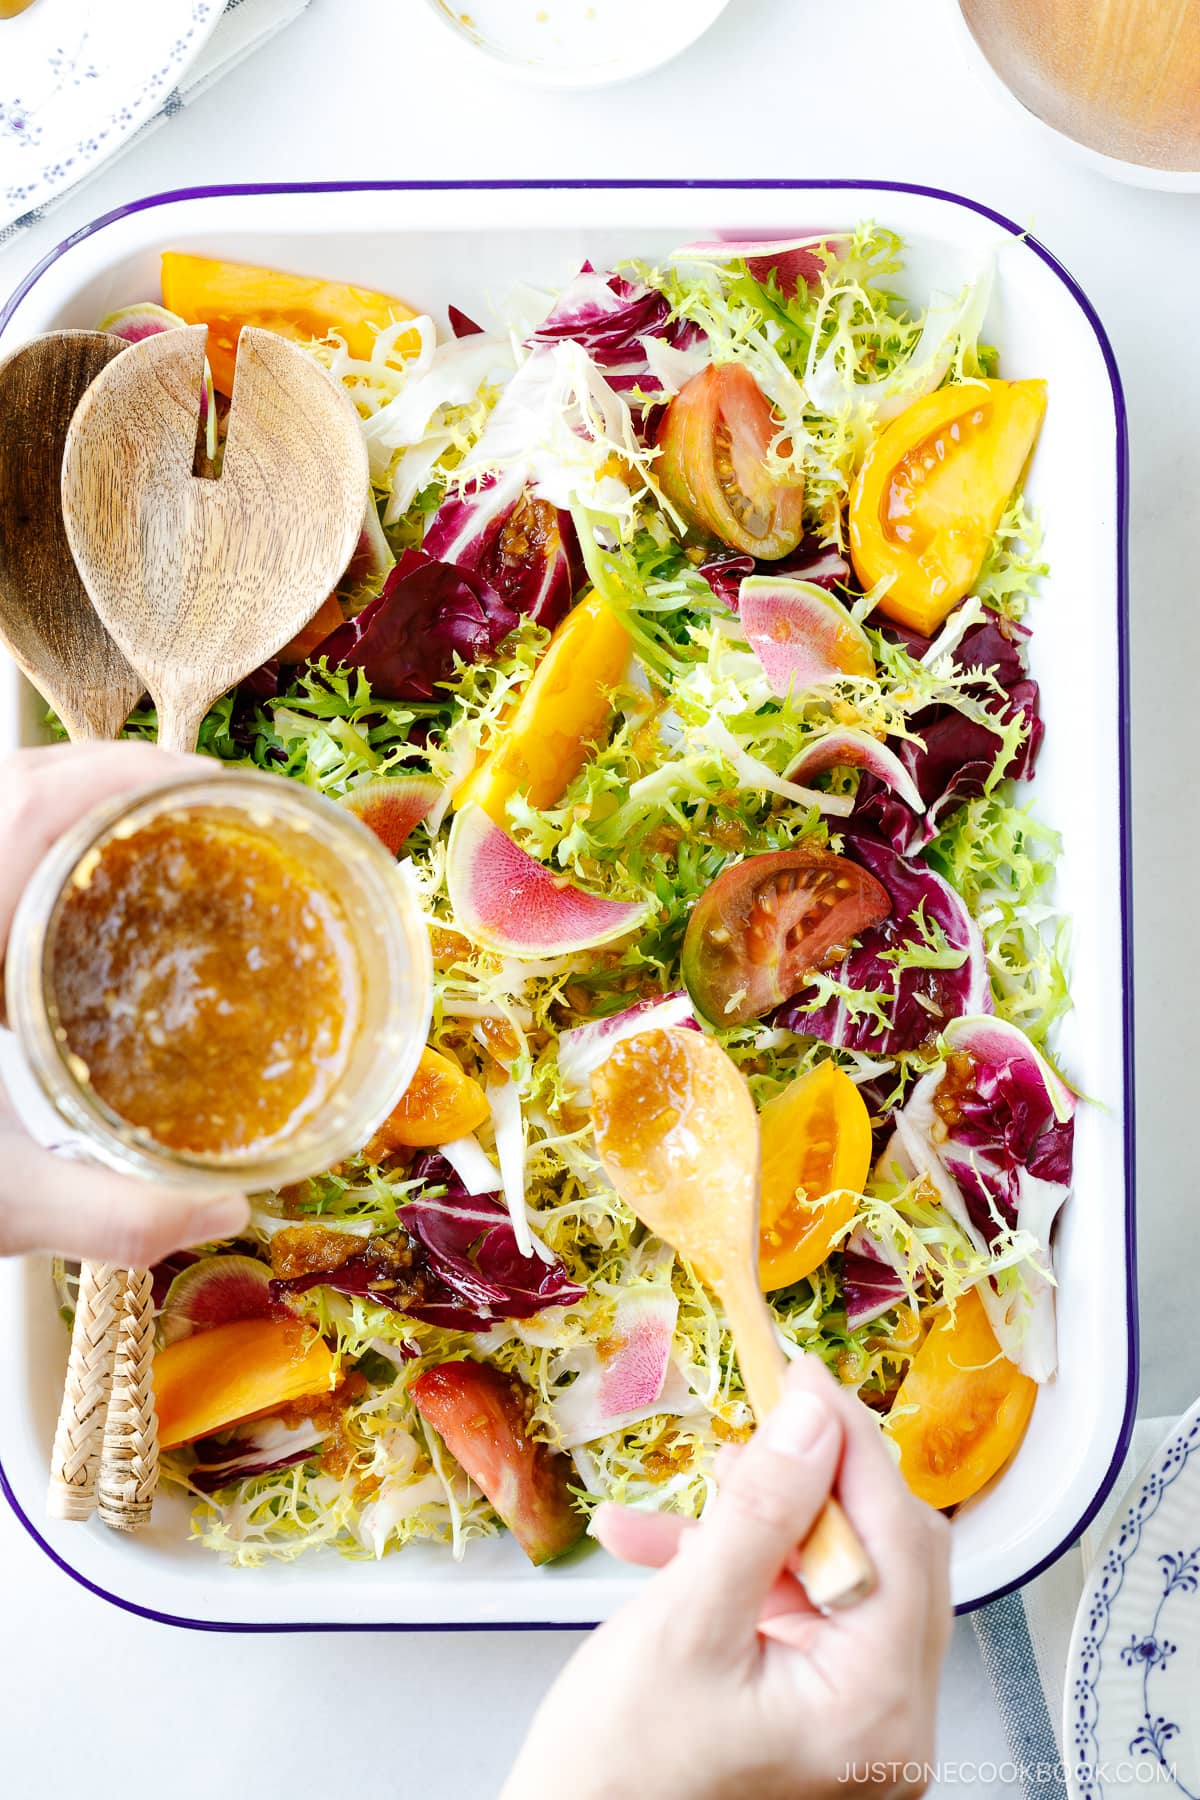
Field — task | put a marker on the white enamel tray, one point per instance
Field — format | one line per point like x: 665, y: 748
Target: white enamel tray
x: 439, y: 243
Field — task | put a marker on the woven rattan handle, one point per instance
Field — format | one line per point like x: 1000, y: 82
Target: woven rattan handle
x: 75, y: 1460
x: 129, y: 1459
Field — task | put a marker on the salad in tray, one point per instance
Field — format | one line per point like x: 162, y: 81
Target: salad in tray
x: 684, y: 666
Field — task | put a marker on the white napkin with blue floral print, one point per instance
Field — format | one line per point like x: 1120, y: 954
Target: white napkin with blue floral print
x: 1025, y: 1637
x: 245, y: 25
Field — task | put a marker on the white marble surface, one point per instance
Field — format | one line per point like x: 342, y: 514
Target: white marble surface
x: 376, y: 88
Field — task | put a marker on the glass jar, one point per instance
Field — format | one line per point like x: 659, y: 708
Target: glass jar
x: 380, y: 925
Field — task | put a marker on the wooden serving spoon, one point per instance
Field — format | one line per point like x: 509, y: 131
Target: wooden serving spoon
x: 678, y: 1136
x: 50, y: 627
x: 200, y: 581
x: 47, y: 622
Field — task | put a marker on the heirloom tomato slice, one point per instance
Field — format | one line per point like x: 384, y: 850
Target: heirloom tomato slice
x: 962, y: 1408
x: 816, y: 1156
x: 564, y: 708
x: 483, y: 1417
x: 931, y: 492
x: 714, y: 440
x: 227, y: 295
x: 758, y: 930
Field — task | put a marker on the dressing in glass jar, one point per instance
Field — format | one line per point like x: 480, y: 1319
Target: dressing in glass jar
x: 221, y: 981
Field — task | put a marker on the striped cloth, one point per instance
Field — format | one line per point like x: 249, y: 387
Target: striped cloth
x: 244, y: 26
x: 1024, y: 1638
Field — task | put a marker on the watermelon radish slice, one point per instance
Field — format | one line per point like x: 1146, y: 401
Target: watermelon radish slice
x: 506, y: 901
x: 392, y: 805
x: 856, y: 750
x: 215, y: 1291
x: 793, y: 260
x: 626, y: 1384
x: 801, y: 634
x: 133, y: 323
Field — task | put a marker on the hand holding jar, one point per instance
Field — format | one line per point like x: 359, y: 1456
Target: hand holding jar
x: 219, y: 980
x: 50, y: 1202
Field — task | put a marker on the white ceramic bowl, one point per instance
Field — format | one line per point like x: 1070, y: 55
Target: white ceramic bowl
x: 578, y: 43
x: 443, y: 243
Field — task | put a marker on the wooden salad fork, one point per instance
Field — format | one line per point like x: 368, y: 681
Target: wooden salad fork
x: 201, y: 581
x: 105, y: 1452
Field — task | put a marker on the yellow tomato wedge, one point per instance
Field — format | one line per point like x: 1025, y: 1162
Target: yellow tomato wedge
x: 930, y: 494
x: 227, y: 295
x: 563, y: 709
x: 816, y: 1138
x: 962, y: 1408
x: 439, y: 1104
x: 215, y: 1378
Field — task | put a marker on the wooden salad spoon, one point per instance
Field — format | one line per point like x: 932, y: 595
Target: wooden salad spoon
x: 200, y: 581
x: 105, y: 1438
x: 678, y: 1135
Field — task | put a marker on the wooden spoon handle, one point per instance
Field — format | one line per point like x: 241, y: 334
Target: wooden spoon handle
x: 831, y: 1562
x: 760, y: 1359
x: 178, y: 723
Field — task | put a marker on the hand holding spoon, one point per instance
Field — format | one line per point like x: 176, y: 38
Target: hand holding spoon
x: 678, y: 1136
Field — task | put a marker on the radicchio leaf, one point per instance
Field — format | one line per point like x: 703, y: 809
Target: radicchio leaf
x: 993, y: 1130
x: 583, y: 1048
x: 257, y: 1448
x: 462, y: 324
x: 261, y: 683
x: 953, y: 761
x: 525, y: 550
x: 792, y: 261
x: 921, y: 1001
x: 428, y: 613
x: 462, y: 1269
x: 611, y: 318
x: 872, y: 1281
x: 470, y: 1245
x: 811, y: 561
x: 1005, y: 1112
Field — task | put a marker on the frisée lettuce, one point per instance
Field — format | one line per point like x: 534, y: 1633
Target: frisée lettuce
x: 514, y: 472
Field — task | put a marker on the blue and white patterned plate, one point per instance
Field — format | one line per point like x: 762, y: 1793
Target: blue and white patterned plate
x: 1131, y: 1720
x: 77, y: 79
